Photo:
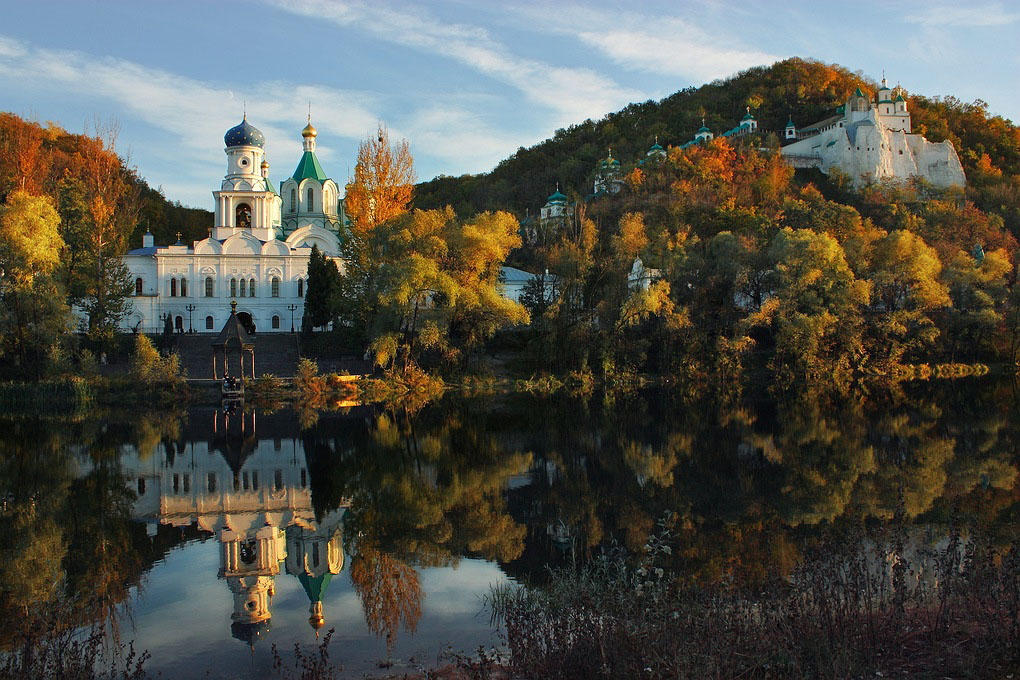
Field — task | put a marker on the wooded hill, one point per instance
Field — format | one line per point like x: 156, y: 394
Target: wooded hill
x: 46, y: 157
x: 989, y: 146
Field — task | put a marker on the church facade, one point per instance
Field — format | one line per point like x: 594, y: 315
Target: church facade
x: 256, y: 253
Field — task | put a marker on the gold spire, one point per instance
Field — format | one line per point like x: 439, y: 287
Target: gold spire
x: 309, y: 130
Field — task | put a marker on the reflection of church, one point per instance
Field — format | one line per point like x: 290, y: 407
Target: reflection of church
x: 254, y: 495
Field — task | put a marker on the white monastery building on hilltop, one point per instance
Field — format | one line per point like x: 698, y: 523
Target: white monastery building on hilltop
x: 257, y: 252
x: 871, y: 140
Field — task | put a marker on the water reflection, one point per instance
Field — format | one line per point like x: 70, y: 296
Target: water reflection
x: 250, y: 490
x: 384, y: 496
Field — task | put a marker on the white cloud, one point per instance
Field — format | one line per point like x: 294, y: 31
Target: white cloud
x: 659, y: 44
x: 950, y: 16
x: 573, y: 94
x: 196, y: 113
x: 448, y: 130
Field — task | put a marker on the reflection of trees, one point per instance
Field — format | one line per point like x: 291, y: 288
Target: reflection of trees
x: 824, y: 455
x: 749, y: 484
x: 67, y: 545
x: 390, y: 592
x: 423, y: 491
x: 427, y: 491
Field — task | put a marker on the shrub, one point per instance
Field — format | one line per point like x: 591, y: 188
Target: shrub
x: 863, y: 604
x: 148, y: 366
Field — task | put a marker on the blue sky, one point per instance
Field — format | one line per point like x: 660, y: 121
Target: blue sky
x: 467, y: 83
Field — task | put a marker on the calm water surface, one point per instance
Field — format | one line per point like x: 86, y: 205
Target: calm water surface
x: 207, y: 537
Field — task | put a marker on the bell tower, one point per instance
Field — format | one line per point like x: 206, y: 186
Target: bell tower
x: 246, y: 200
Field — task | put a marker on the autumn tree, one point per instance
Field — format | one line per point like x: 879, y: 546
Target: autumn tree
x: 33, y: 315
x: 390, y: 592
x: 817, y: 305
x: 381, y: 191
x: 383, y: 181
x: 109, y: 205
x: 905, y: 275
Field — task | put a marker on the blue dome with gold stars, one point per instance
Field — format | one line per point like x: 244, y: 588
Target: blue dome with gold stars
x: 244, y: 134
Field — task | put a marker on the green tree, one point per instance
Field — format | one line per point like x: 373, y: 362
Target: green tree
x: 978, y: 287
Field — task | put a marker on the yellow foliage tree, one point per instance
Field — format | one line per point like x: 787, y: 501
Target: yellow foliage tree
x: 30, y: 240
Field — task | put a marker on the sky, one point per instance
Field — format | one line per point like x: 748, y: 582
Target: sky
x: 466, y: 83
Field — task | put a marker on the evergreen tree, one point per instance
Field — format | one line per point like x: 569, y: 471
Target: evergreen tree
x: 321, y: 296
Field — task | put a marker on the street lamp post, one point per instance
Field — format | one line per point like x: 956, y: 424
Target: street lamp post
x: 191, y: 308
x: 292, y: 308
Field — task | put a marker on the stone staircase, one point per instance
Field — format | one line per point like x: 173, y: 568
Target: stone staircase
x: 275, y: 353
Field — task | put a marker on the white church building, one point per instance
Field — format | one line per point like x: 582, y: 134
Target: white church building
x: 871, y: 140
x: 257, y: 252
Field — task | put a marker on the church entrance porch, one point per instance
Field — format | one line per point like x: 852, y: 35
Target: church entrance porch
x: 247, y: 322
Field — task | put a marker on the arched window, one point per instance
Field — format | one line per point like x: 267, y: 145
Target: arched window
x: 276, y: 323
x: 179, y: 324
x: 300, y: 287
x: 233, y: 287
x: 208, y: 286
x: 242, y: 216
x: 173, y: 287
x: 184, y: 288
x: 311, y: 200
x: 276, y: 287
x: 208, y: 323
x: 293, y: 200
x: 251, y: 288
x: 277, y: 480
x: 141, y: 486
x: 244, y: 288
x: 211, y: 484
x: 138, y: 286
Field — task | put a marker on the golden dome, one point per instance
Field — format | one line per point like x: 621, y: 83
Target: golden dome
x: 309, y: 130
x: 316, y: 621
x: 265, y: 163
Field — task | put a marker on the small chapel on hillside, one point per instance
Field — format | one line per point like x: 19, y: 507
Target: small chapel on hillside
x: 256, y: 253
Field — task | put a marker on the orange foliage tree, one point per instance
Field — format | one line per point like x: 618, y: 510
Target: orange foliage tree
x: 390, y: 592
x: 383, y: 181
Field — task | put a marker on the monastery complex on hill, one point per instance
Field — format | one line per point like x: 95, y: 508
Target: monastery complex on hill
x: 871, y: 140
x: 257, y: 252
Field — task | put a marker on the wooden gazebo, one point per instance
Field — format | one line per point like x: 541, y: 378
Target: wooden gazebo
x: 233, y: 338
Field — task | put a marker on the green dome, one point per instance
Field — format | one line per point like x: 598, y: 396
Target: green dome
x: 656, y: 147
x: 703, y: 128
x: 557, y: 197
x: 315, y: 586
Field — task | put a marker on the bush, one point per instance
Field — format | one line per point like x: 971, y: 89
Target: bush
x: 148, y: 366
x: 863, y: 604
